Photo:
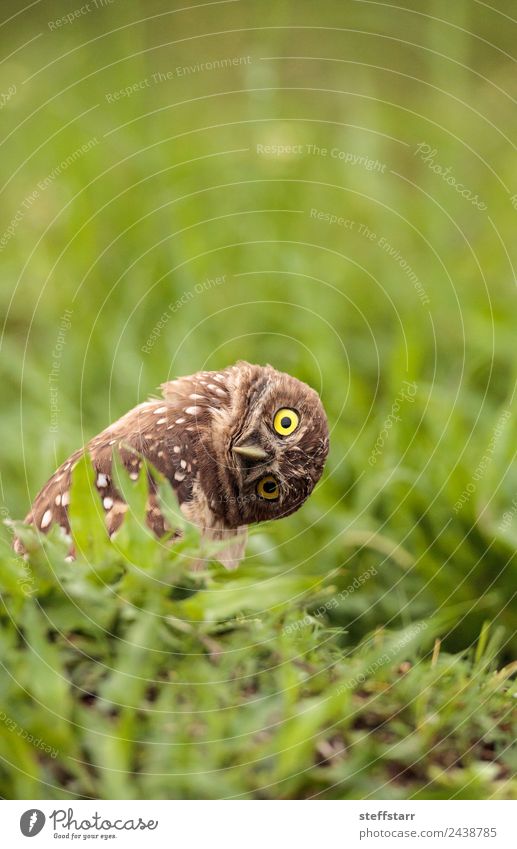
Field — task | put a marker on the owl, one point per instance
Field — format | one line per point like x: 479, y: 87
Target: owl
x: 243, y: 445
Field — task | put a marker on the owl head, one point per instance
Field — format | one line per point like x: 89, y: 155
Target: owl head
x: 269, y: 443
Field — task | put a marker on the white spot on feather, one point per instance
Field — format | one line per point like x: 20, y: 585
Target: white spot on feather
x: 102, y: 480
x: 216, y: 389
x: 176, y: 449
x: 193, y: 411
x: 65, y: 499
x: 180, y: 421
x: 58, y: 500
x: 108, y: 503
x: 46, y: 519
x: 160, y: 410
x: 183, y: 464
x: 161, y: 421
x: 179, y: 476
x: 196, y: 397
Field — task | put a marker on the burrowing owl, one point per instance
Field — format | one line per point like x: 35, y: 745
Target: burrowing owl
x: 239, y: 446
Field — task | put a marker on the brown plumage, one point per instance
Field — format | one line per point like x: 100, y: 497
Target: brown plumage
x: 239, y: 446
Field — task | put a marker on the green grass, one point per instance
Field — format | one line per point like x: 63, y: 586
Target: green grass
x: 148, y: 679
x: 144, y: 679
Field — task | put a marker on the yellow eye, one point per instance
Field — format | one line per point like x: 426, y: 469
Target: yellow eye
x: 268, y: 488
x: 286, y: 421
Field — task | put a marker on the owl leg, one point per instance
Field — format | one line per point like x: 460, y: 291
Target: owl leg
x: 115, y: 516
x: 154, y: 517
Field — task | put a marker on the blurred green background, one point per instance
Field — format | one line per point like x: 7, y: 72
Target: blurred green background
x: 329, y: 188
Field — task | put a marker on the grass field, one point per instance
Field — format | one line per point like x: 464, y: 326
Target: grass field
x: 331, y: 189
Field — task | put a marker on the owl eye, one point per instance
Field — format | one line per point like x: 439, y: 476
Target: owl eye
x: 286, y: 421
x: 268, y: 488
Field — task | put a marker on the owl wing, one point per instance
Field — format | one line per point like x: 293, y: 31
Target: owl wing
x: 151, y: 431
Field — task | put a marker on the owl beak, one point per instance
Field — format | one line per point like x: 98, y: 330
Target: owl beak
x: 252, y: 452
